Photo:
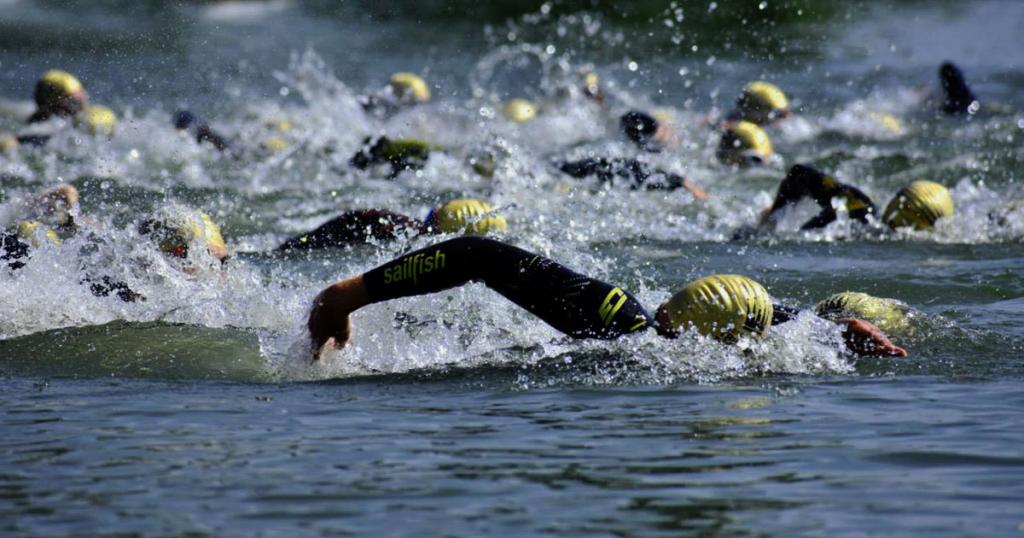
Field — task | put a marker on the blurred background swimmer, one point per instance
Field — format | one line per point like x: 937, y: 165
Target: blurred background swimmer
x: 918, y: 205
x: 464, y: 215
x: 723, y: 307
x: 402, y: 91
x: 61, y: 100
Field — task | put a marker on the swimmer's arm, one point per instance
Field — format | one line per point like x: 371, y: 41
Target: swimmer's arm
x: 862, y: 337
x: 329, y: 324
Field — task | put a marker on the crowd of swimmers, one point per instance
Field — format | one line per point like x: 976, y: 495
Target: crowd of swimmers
x: 724, y: 307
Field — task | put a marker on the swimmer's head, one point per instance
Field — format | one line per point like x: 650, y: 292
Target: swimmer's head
x: 55, y: 206
x: 175, y: 232
x: 918, y: 205
x: 888, y: 314
x: 592, y: 87
x: 59, y: 93
x: 721, y: 306
x: 98, y: 120
x: 473, y: 216
x: 409, y: 88
x: 744, y: 143
x: 958, y: 97
x: 641, y: 128
x: 519, y: 110
x: 762, y: 103
x: 185, y: 120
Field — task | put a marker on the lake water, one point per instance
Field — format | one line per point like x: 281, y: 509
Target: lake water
x: 196, y: 411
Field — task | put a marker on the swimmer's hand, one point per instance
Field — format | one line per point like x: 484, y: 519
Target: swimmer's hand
x: 329, y: 324
x: 865, y: 339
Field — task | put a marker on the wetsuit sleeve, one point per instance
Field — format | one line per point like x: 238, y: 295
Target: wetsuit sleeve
x: 805, y: 182
x: 354, y: 227
x: 575, y: 304
x: 12, y: 250
x: 782, y: 313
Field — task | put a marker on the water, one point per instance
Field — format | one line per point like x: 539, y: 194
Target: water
x: 195, y: 411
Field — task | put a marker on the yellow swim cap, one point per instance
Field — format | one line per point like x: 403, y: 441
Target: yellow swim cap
x: 721, y: 306
x: 519, y: 110
x: 919, y: 205
x: 98, y: 120
x: 174, y: 233
x: 744, y: 143
x: 410, y: 87
x: 53, y: 207
x: 466, y: 214
x: 592, y: 86
x: 59, y: 91
x: 275, y: 144
x: 762, y: 102
x: 27, y: 231
x: 8, y: 142
x: 888, y: 314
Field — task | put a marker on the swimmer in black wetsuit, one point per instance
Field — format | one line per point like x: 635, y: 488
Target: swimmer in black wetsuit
x: 365, y: 225
x: 722, y: 306
x: 918, y: 205
x: 649, y: 135
x: 188, y: 122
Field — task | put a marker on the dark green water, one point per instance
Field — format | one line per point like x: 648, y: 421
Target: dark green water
x: 195, y: 412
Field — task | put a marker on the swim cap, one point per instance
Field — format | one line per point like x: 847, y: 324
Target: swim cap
x: 8, y: 142
x: 519, y: 110
x: 592, y: 86
x: 888, y: 314
x: 721, y: 306
x: 27, y: 231
x: 744, y: 143
x: 919, y: 205
x: 639, y: 127
x: 402, y: 148
x: 59, y: 92
x: 174, y: 232
x: 274, y: 144
x: 466, y: 214
x: 762, y: 102
x: 410, y: 87
x: 98, y: 120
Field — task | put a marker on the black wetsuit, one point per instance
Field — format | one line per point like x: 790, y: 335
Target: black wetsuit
x: 185, y: 120
x: 577, y: 305
x: 957, y: 95
x: 640, y: 174
x: 355, y: 227
x: 402, y: 155
x: 803, y: 181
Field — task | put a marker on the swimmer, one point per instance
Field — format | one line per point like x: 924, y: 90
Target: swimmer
x: 744, y: 144
x: 720, y: 306
x: 48, y: 215
x: 187, y: 122
x: 957, y: 97
x: 185, y: 235
x: 761, y: 103
x: 400, y: 154
x: 58, y: 94
x: 647, y: 132
x: 363, y: 226
x: 918, y: 205
x: 640, y: 175
x: 403, y: 90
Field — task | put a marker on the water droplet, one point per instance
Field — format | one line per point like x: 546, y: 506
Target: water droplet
x: 973, y: 107
x: 550, y: 49
x: 762, y: 5
x: 632, y: 66
x: 712, y: 6
x: 284, y: 91
x: 710, y: 60
x: 684, y: 71
x: 545, y: 8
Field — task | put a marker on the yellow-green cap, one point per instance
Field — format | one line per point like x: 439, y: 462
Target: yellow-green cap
x: 519, y: 110
x: 592, y: 86
x: 762, y: 102
x: 721, y: 306
x: 59, y: 89
x: 8, y: 142
x: 469, y: 214
x: 175, y: 231
x: 27, y: 231
x: 402, y: 148
x: 53, y: 207
x: 918, y: 205
x: 275, y: 144
x: 744, y: 142
x: 98, y: 120
x: 407, y: 86
x: 888, y: 314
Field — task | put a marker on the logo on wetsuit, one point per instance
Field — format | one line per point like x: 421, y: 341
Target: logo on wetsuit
x: 414, y: 266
